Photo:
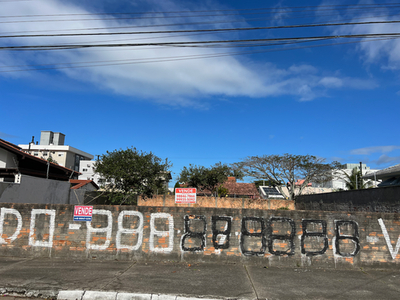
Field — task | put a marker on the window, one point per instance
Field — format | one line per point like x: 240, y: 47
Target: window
x: 84, y: 170
x: 60, y: 154
x: 44, y: 153
x: 35, y: 153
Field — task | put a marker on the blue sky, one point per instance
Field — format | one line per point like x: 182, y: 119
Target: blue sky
x: 338, y: 99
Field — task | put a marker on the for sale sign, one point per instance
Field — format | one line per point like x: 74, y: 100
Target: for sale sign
x: 185, y: 195
x: 83, y: 213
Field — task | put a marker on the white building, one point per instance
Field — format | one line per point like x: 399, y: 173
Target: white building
x: 52, y: 145
x: 87, y: 170
x: 339, y: 179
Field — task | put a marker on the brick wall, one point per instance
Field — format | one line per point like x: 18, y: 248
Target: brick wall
x: 267, y: 237
x: 223, y: 202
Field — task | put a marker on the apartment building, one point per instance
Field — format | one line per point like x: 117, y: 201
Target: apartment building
x: 52, y: 146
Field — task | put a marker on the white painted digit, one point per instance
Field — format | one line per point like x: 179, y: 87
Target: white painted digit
x: 155, y: 232
x: 394, y: 252
x: 32, y: 241
x: 16, y: 213
x: 107, y: 230
x: 122, y: 230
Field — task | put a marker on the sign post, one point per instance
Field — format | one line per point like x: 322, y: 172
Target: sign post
x: 185, y: 195
x: 83, y: 213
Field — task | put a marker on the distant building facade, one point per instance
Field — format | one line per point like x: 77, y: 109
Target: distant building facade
x: 339, y: 177
x: 88, y: 172
x: 15, y: 163
x: 87, y: 168
x: 52, y: 146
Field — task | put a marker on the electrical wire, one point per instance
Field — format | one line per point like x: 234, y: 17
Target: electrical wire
x: 272, y: 10
x: 281, y: 42
x: 195, y: 43
x: 394, y: 14
x: 201, y: 30
x: 162, y: 59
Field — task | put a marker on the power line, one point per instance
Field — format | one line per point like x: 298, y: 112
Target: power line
x: 196, y: 43
x: 232, y: 43
x: 358, y: 7
x: 162, y: 59
x: 138, y: 59
x: 271, y: 9
x: 199, y: 30
x: 134, y: 18
x: 198, y: 23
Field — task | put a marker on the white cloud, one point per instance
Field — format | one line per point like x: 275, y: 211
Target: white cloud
x: 303, y: 69
x: 375, y: 149
x: 307, y: 83
x: 379, y: 51
x: 331, y: 82
x: 384, y: 159
x: 173, y: 82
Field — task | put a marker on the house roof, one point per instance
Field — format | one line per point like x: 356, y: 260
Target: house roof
x: 237, y: 188
x: 240, y: 188
x: 78, y: 183
x: 393, y: 171
x: 299, y: 182
x: 34, y: 166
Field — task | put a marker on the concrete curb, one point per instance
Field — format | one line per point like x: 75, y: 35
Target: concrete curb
x: 97, y: 295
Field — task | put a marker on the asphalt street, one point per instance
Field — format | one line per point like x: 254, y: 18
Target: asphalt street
x: 58, y: 278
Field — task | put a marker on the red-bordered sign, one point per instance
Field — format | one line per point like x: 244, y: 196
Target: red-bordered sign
x: 83, y: 213
x: 185, y: 195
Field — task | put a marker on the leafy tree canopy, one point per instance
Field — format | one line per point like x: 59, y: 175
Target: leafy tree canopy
x: 52, y: 160
x: 288, y: 168
x: 354, y: 180
x: 132, y: 172
x: 209, y: 179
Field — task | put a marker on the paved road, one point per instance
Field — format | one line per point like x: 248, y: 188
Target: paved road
x: 126, y: 280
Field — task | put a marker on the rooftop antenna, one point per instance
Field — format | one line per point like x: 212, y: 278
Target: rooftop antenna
x: 32, y: 142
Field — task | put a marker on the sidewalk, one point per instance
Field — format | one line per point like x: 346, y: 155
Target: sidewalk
x: 72, y: 279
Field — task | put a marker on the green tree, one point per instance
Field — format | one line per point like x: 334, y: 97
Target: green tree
x: 130, y: 173
x: 51, y: 159
x: 288, y: 168
x: 177, y: 186
x: 354, y: 180
x: 222, y: 191
x: 204, y: 178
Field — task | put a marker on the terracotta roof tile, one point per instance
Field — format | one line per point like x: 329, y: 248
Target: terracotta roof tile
x: 238, y: 188
x: 78, y: 183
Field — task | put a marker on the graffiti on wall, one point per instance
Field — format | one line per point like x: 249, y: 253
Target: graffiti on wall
x: 257, y: 236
